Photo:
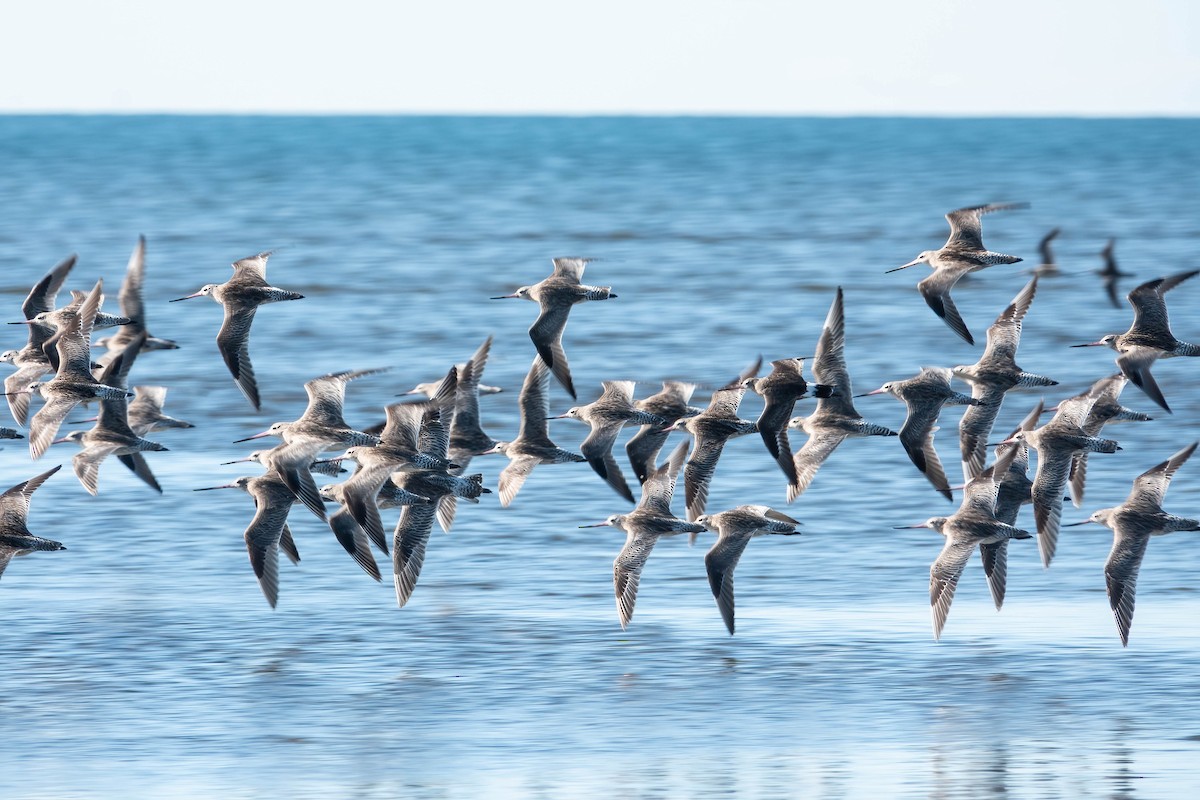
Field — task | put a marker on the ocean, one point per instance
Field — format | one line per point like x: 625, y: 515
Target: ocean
x: 144, y: 662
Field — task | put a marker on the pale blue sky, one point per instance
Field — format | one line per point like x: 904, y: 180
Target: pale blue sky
x: 648, y: 56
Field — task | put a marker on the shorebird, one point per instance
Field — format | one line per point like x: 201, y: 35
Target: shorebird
x: 73, y: 383
x: 1056, y: 443
x: 1149, y: 338
x: 1106, y: 408
x: 735, y: 528
x: 1110, y: 273
x: 974, y: 524
x: 532, y: 445
x: 241, y: 296
x: 835, y: 418
x: 321, y: 427
x: 924, y: 395
x: 31, y: 362
x: 1015, y: 491
x: 268, y: 532
x: 15, y: 538
x: 1133, y: 523
x: 1048, y: 266
x: 607, y: 415
x: 403, y: 445
x: 145, y: 411
x: 651, y: 519
x: 780, y: 390
x: 671, y: 405
x: 556, y: 294
x: 10, y: 433
x: 467, y: 438
x: 134, y: 309
x: 349, y: 533
x: 112, y: 435
x: 991, y: 377
x: 712, y: 428
x: 479, y: 360
x: 962, y: 253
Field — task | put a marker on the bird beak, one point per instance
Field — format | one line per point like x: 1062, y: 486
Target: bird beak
x: 236, y: 461
x: 489, y: 451
x: 210, y: 488
x: 912, y: 263
x: 1089, y: 344
x: 22, y: 322
x: 868, y: 394
x: 60, y: 441
x: 255, y: 436
x: 907, y: 527
x: 559, y: 416
x: 1077, y: 524
x: 597, y: 525
x: 504, y: 296
x: 189, y: 297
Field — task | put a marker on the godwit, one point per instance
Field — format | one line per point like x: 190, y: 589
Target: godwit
x: 15, y: 538
x: 671, y: 404
x: 1149, y: 338
x: 268, y: 531
x: 835, y: 419
x: 1048, y: 266
x: 31, y: 362
x: 991, y: 377
x: 1056, y: 443
x: 133, y: 308
x: 467, y: 438
x: 607, y: 415
x: 1015, y: 491
x: 146, y: 411
x: 924, y: 395
x: 962, y: 253
x: 780, y: 390
x: 711, y: 429
x: 241, y: 296
x: 974, y: 524
x: 1106, y: 407
x: 651, y: 519
x: 532, y: 445
x: 556, y: 294
x: 735, y: 528
x: 1110, y: 273
x: 1133, y: 523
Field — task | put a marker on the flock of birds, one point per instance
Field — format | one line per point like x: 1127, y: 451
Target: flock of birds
x: 417, y: 458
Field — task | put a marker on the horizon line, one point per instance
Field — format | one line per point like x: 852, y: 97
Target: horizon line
x: 1097, y: 115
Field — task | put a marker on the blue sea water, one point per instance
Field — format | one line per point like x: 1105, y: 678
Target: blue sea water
x: 143, y: 661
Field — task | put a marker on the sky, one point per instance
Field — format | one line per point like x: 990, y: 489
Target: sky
x: 936, y: 57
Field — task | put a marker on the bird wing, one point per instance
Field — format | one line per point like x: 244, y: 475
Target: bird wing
x: 698, y: 474
x: 936, y: 290
x: 829, y: 363
x: 535, y: 404
x: 1150, y: 487
x: 811, y: 456
x: 976, y: 426
x: 42, y: 296
x: 966, y: 227
x: 1120, y: 575
x: 627, y: 572
x: 546, y: 333
x: 659, y: 485
x: 570, y: 268
x: 995, y: 567
x: 408, y: 548
x: 720, y: 562
x: 1004, y: 335
x: 513, y: 477
x: 1135, y: 364
x: 233, y: 340
x: 1048, y: 484
x: 597, y: 449
x: 943, y: 579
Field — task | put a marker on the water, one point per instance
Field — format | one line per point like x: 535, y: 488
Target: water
x: 144, y: 661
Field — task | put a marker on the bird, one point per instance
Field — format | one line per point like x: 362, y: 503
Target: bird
x: 73, y: 382
x: 268, y: 532
x: 711, y: 429
x: 1015, y: 491
x: 671, y: 405
x: 735, y: 528
x: 321, y: 427
x: 1110, y: 272
x: 649, y: 520
x: 607, y: 415
x: 480, y: 358
x: 31, y: 361
x: 467, y: 438
x: 145, y: 411
x: 991, y: 377
x: 532, y: 445
x: 780, y: 389
x: 134, y: 309
x: 1133, y: 523
x: 924, y: 395
x: 1056, y: 443
x: 1106, y: 407
x: 349, y: 533
x: 1149, y: 338
x: 241, y: 296
x: 112, y: 435
x: 835, y: 418
x: 962, y: 253
x: 1048, y: 266
x: 15, y: 538
x: 556, y: 294
x: 974, y: 524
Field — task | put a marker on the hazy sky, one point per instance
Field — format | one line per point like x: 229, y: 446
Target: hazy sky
x: 752, y: 56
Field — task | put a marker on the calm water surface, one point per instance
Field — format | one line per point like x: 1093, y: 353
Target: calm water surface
x: 143, y: 661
